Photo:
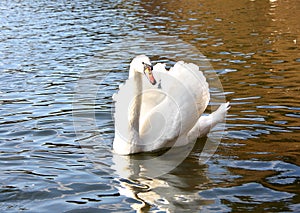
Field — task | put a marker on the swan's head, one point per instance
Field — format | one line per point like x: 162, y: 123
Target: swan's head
x: 143, y: 65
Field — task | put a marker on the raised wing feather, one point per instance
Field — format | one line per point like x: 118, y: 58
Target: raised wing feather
x: 183, y: 96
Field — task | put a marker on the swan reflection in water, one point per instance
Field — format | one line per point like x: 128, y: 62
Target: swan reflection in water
x: 164, y: 109
x: 177, y: 189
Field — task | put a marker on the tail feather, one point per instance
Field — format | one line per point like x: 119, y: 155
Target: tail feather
x: 206, y: 123
x: 220, y: 114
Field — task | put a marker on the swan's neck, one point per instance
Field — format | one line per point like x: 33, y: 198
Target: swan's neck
x: 135, y: 110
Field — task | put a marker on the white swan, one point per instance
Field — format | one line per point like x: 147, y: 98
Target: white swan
x: 156, y: 108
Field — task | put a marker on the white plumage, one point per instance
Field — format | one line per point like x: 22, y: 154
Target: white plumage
x: 159, y: 109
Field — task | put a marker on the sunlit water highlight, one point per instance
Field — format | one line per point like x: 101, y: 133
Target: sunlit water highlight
x: 45, y: 46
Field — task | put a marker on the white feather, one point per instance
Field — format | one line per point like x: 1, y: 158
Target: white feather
x: 167, y: 113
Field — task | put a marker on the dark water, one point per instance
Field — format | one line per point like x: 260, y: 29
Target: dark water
x: 61, y: 61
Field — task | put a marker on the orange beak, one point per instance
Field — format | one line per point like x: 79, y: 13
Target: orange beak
x: 149, y: 74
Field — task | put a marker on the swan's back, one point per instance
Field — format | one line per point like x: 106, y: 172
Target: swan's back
x: 165, y: 112
x: 194, y: 80
x: 195, y: 88
x: 183, y: 96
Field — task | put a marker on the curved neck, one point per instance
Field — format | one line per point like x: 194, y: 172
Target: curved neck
x: 135, y: 110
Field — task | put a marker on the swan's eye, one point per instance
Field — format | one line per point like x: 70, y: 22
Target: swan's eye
x: 147, y: 65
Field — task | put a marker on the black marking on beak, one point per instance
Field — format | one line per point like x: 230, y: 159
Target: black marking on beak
x: 149, y: 74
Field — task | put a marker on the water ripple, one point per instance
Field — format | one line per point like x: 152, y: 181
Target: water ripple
x: 47, y: 47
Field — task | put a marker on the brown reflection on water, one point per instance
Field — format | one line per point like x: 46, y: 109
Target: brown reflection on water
x: 254, y: 46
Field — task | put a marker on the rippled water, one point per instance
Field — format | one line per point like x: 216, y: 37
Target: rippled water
x: 61, y: 61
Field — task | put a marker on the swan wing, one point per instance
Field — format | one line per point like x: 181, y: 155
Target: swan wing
x: 168, y: 110
x: 194, y: 81
x: 183, y: 95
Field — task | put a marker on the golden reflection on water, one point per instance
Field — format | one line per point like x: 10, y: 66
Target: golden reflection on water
x: 257, y: 43
x: 254, y: 46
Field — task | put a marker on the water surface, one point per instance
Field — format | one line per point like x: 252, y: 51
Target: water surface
x: 50, y: 50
